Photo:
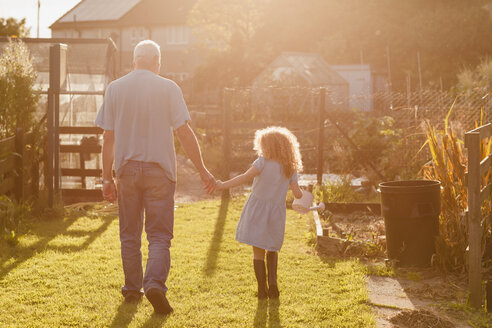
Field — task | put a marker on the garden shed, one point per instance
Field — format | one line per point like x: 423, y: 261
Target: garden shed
x: 363, y: 84
x: 83, y: 72
x: 297, y: 69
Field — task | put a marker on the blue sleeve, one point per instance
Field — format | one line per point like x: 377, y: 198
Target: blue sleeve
x: 179, y: 111
x: 294, y: 178
x: 105, y: 115
x: 259, y: 163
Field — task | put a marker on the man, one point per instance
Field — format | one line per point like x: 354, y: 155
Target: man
x: 138, y: 115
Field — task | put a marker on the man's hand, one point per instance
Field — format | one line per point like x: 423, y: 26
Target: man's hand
x: 192, y: 149
x: 209, y: 180
x: 219, y: 185
x: 109, y: 191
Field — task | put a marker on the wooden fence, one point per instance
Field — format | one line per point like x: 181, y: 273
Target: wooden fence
x: 477, y: 169
x: 19, y: 167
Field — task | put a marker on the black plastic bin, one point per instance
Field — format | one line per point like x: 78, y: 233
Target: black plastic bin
x: 411, y: 217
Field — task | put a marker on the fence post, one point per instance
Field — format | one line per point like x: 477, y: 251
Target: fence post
x: 472, y: 143
x: 226, y: 141
x: 321, y: 136
x: 19, y: 149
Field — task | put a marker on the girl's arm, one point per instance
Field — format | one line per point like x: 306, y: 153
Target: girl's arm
x: 238, y: 180
x: 296, y: 190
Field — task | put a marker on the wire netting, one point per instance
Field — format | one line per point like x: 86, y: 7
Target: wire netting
x: 348, y: 131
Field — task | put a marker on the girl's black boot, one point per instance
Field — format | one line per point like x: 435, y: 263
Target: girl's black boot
x: 272, y: 260
x: 260, y: 273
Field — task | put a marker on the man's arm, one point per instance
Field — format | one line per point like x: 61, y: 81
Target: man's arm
x: 190, y: 145
x: 109, y: 189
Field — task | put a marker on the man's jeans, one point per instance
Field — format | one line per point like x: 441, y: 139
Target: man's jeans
x: 145, y: 186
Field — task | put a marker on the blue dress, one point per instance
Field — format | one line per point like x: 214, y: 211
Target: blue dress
x: 262, y: 222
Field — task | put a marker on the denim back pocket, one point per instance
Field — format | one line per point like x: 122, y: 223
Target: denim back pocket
x: 154, y: 171
x: 127, y: 170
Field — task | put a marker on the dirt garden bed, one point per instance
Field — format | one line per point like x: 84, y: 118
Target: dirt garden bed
x: 407, y: 297
x: 350, y: 229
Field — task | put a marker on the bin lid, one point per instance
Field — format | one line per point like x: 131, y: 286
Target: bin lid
x: 409, y: 186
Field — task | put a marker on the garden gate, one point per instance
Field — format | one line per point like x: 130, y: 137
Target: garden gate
x: 87, y: 65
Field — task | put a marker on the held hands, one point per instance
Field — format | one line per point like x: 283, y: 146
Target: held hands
x: 219, y: 185
x: 109, y: 191
x: 209, y: 181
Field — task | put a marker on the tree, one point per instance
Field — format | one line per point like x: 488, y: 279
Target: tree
x: 478, y: 79
x: 226, y: 29
x: 447, y: 34
x: 17, y: 81
x: 13, y: 27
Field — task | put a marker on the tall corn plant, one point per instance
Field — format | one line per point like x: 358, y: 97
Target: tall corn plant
x: 448, y: 165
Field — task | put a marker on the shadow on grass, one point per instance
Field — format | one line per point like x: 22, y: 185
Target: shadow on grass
x: 214, y: 247
x: 46, y: 232
x: 331, y: 261
x: 124, y: 315
x: 261, y: 314
x: 273, y: 314
x: 267, y: 308
x: 155, y: 321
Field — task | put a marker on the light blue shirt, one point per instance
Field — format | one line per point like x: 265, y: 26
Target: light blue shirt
x: 142, y: 109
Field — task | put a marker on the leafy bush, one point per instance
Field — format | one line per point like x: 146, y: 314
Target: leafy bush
x: 448, y: 165
x: 18, y: 103
x: 12, y: 218
x: 478, y: 79
x: 17, y: 81
x: 379, y: 142
x: 338, y: 191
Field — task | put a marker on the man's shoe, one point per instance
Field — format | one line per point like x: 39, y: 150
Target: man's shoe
x: 133, y: 297
x: 159, y: 301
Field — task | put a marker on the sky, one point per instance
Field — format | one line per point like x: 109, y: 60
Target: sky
x: 50, y: 11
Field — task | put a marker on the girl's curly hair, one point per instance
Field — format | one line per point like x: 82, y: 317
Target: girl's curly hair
x: 279, y: 144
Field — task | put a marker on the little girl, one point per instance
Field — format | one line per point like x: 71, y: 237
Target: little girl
x: 262, y: 222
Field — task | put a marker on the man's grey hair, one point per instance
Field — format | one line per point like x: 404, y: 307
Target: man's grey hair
x: 145, y: 51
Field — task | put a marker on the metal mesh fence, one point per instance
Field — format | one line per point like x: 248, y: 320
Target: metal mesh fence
x: 391, y: 134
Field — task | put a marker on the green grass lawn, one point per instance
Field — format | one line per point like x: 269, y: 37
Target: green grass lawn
x: 67, y: 273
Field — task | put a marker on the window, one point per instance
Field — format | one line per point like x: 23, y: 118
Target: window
x: 178, y: 77
x: 137, y: 35
x: 178, y: 34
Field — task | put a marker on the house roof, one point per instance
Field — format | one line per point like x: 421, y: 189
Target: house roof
x: 488, y: 7
x: 125, y: 12
x: 312, y: 68
x: 98, y: 10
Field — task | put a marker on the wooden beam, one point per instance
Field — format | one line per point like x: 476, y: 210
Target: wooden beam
x: 80, y: 130
x: 321, y: 135
x: 71, y: 196
x: 80, y: 149
x: 257, y: 125
x: 19, y: 163
x: 472, y: 142
x: 81, y: 172
x: 485, y: 131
